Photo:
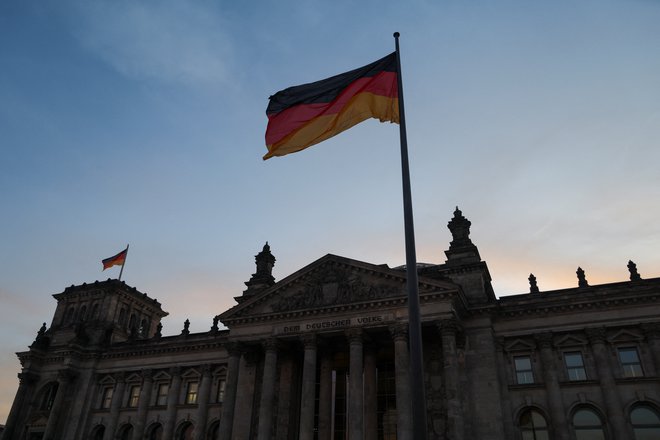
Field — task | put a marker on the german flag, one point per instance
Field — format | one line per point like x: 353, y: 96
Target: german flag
x: 301, y: 116
x: 116, y: 260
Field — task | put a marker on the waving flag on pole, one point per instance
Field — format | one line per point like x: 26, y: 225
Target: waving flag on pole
x: 301, y: 116
x: 116, y: 260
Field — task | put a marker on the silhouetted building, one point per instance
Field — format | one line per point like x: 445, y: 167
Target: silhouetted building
x: 323, y: 354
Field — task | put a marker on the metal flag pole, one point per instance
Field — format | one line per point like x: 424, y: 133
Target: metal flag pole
x: 414, y: 322
x: 122, y: 265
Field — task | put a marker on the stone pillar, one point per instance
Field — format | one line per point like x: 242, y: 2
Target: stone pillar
x: 402, y: 377
x: 307, y: 394
x: 504, y: 380
x: 172, y: 402
x: 244, y: 411
x: 64, y: 379
x: 551, y: 378
x: 203, y: 403
x: 448, y: 331
x: 143, y: 404
x: 652, y: 334
x: 613, y: 405
x: 325, y: 395
x: 26, y: 380
x: 117, y: 397
x: 355, y: 385
x: 267, y: 401
x: 370, y: 395
x: 229, y: 402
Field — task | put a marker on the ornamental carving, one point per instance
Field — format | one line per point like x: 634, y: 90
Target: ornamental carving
x: 335, y: 286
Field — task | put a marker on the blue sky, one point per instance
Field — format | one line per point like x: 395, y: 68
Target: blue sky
x: 142, y: 122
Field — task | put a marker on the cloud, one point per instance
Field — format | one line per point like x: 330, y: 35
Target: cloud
x: 169, y: 41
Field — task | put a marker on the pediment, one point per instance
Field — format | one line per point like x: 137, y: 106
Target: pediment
x: 520, y: 345
x: 162, y: 376
x: 571, y: 341
x: 107, y: 380
x: 625, y: 336
x: 330, y: 283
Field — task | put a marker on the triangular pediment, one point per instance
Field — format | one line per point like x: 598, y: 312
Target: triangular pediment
x: 520, y: 345
x: 329, y: 283
x: 625, y: 336
x: 571, y: 341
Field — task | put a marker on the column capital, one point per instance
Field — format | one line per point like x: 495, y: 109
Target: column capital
x: 596, y: 335
x: 399, y: 331
x: 66, y: 375
x: 651, y: 330
x: 233, y: 348
x: 544, y: 340
x: 147, y: 374
x: 206, y: 369
x: 308, y: 340
x: 27, y: 378
x: 354, y: 335
x: 449, y: 327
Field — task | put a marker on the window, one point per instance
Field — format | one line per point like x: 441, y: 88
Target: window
x: 126, y: 432
x: 220, y: 396
x: 163, y: 390
x: 630, y: 364
x: 533, y: 425
x: 645, y: 422
x: 575, y: 366
x: 191, y: 393
x: 214, y: 432
x: 134, y: 397
x: 155, y: 432
x: 97, y: 432
x: 523, y: 365
x: 588, y: 425
x: 106, y: 399
x: 48, y: 397
x: 185, y: 431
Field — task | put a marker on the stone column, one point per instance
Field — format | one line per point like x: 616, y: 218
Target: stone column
x: 229, y: 402
x: 504, y: 380
x: 117, y: 397
x: 652, y: 334
x: 203, y: 402
x: 143, y: 404
x: 613, y: 404
x: 244, y: 412
x: 308, y: 388
x: 26, y: 380
x: 550, y: 376
x: 64, y: 379
x: 370, y: 395
x: 402, y: 377
x: 172, y: 402
x: 355, y: 385
x: 267, y: 401
x: 325, y: 394
x: 448, y: 331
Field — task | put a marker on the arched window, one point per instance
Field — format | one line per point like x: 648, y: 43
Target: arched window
x: 131, y: 321
x: 155, y: 432
x: 185, y: 431
x: 83, y: 313
x: 97, y: 433
x: 533, y: 425
x: 646, y: 423
x: 95, y: 311
x: 126, y: 432
x: 588, y: 425
x: 214, y: 431
x: 69, y: 315
x: 48, y: 396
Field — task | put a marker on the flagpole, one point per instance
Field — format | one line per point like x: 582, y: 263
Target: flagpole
x: 122, y: 265
x: 414, y: 320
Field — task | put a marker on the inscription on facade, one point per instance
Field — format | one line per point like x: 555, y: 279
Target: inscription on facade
x: 335, y: 324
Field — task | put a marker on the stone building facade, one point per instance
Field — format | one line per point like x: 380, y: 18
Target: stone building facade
x: 323, y: 354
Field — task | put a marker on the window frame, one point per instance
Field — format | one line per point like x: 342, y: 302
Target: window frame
x: 630, y: 373
x: 527, y: 374
x: 134, y: 396
x: 159, y: 395
x: 586, y: 427
x: 107, y: 393
x: 192, y: 395
x: 581, y: 369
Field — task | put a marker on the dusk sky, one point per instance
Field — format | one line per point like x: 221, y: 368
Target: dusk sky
x: 143, y: 122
